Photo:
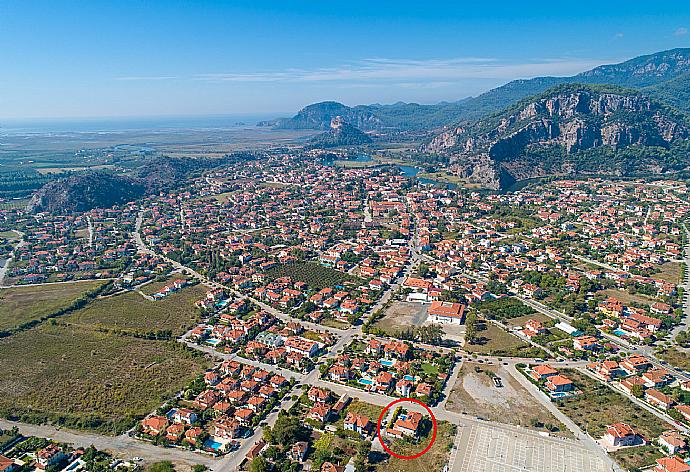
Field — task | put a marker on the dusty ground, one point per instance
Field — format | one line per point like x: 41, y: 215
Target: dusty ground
x: 475, y: 394
x: 402, y: 315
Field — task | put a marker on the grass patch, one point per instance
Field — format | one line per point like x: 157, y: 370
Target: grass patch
x: 504, y: 309
x: 432, y: 461
x: 313, y: 274
x: 634, y: 458
x: 19, y: 305
x: 675, y: 357
x: 86, y: 379
x: 130, y: 312
x: 599, y: 406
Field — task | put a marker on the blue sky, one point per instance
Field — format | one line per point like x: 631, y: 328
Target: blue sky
x: 147, y: 58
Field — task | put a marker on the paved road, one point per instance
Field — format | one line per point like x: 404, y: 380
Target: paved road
x: 120, y: 446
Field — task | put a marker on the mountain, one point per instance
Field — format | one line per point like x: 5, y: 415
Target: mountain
x: 340, y: 134
x: 320, y: 115
x: 82, y: 192
x: 655, y: 71
x: 101, y: 189
x: 569, y: 129
x: 662, y: 75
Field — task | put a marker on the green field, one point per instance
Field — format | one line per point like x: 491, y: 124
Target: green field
x: 19, y: 305
x: 313, y: 274
x: 86, y: 379
x: 131, y: 312
x: 495, y: 341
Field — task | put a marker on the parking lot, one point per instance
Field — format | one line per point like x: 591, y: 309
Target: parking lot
x: 489, y: 449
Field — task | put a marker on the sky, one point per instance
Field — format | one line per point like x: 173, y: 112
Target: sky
x: 91, y: 59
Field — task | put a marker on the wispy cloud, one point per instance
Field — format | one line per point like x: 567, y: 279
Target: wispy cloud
x: 412, y: 70
x: 681, y: 32
x: 146, y: 78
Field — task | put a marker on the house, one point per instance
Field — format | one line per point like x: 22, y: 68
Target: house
x: 318, y: 395
x: 184, y: 415
x: 635, y: 364
x: 7, y: 464
x: 534, y: 328
x: 683, y: 410
x: 657, y: 378
x: 559, y: 384
x: 174, y: 432
x: 319, y: 413
x: 622, y: 434
x: 671, y: 464
x: 404, y: 387
x: 298, y: 451
x: 408, y: 424
x: 49, y: 456
x: 585, y: 343
x: 303, y: 346
x: 358, y: 423
x: 446, y: 312
x: 659, y: 399
x: 542, y: 372
x: 154, y: 425
x: 330, y: 467
x: 673, y: 442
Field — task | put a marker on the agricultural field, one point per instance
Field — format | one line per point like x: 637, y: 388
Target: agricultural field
x: 313, y: 274
x: 475, y: 394
x: 131, y: 312
x: 86, y: 379
x: 19, y: 305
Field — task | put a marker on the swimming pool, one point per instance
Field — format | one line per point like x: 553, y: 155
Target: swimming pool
x: 386, y: 362
x: 559, y: 394
x: 213, y: 342
x: 409, y: 377
x: 364, y: 381
x: 211, y: 444
x: 619, y: 332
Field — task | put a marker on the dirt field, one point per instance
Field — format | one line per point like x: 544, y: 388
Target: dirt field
x: 626, y: 297
x: 402, y: 315
x: 669, y: 271
x: 475, y: 394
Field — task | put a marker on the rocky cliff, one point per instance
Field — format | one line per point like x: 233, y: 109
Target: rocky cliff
x: 559, y: 132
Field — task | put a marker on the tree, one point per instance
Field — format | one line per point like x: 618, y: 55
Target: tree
x: 471, y: 327
x: 637, y: 391
x: 259, y: 465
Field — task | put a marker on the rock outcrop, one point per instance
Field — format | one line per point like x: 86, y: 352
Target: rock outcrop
x: 546, y: 134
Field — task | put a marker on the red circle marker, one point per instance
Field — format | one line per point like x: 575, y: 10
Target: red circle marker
x: 433, y: 435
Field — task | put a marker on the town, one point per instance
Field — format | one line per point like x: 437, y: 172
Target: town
x: 298, y: 298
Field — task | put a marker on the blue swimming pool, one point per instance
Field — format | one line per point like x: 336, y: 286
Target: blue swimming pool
x: 386, y: 362
x: 619, y: 332
x: 364, y: 381
x: 211, y: 444
x: 409, y: 377
x: 213, y: 342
